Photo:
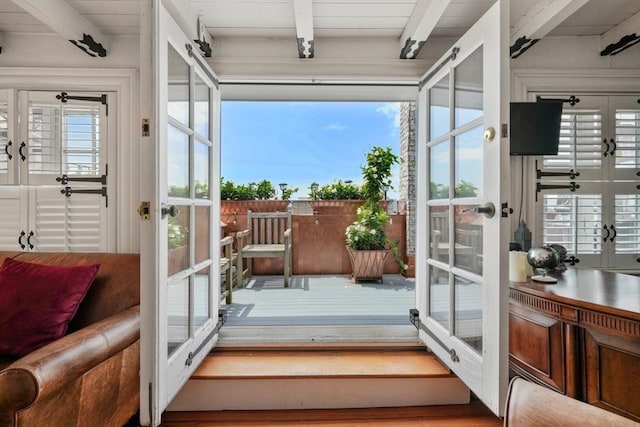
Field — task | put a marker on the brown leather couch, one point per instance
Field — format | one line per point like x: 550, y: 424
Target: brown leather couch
x: 89, y: 377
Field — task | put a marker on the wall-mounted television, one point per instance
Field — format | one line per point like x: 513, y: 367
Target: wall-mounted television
x: 535, y: 128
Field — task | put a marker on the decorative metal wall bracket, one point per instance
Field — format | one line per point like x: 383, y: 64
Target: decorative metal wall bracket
x: 65, y: 179
x: 572, y: 186
x: 572, y: 100
x: 571, y: 174
x: 64, y: 97
x: 68, y: 191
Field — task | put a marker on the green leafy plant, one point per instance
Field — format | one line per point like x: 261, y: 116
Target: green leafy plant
x: 337, y: 191
x: 265, y: 190
x: 367, y: 232
x: 287, y: 192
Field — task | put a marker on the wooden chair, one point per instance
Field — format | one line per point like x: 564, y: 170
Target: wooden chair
x: 532, y: 405
x: 227, y: 265
x: 268, y: 235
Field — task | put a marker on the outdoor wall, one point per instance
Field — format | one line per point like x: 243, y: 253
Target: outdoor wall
x: 318, y: 248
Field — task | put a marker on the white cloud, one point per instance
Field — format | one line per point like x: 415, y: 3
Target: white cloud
x: 392, y: 111
x: 335, y: 126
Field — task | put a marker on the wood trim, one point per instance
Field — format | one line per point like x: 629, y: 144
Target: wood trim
x: 610, y: 323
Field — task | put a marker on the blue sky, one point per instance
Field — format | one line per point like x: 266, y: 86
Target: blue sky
x: 302, y: 142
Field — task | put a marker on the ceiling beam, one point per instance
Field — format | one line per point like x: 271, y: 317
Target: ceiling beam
x: 423, y: 20
x: 543, y: 17
x: 303, y: 10
x: 622, y: 36
x: 67, y: 22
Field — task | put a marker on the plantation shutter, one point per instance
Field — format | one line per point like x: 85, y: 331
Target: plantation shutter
x: 6, y: 149
x: 13, y: 218
x: 67, y: 224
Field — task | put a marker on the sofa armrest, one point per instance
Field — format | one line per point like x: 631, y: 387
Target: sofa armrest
x: 51, y: 367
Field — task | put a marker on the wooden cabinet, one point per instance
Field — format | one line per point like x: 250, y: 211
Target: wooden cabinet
x: 580, y: 337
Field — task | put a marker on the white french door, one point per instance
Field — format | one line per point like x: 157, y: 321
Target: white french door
x: 180, y: 311
x: 463, y: 148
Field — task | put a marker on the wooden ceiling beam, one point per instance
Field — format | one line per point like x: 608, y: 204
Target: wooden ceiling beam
x: 303, y: 10
x: 423, y: 20
x: 67, y: 22
x: 543, y: 17
x: 622, y: 36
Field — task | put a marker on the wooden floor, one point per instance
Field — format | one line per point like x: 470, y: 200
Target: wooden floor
x: 473, y: 414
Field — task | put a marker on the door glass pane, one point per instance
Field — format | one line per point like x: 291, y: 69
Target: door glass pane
x: 201, y: 170
x: 64, y: 139
x: 203, y: 231
x: 440, y: 165
x: 178, y: 97
x: 468, y: 89
x: 627, y: 224
x: 469, y: 163
x: 627, y: 139
x: 439, y: 232
x: 4, y: 137
x: 201, y: 107
x: 439, y: 296
x: 467, y: 251
x: 177, y: 163
x: 178, y: 240
x: 177, y: 313
x: 468, y: 312
x: 201, y: 296
x: 439, y: 108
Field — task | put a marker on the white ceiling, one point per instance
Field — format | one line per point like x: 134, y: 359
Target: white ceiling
x: 331, y: 18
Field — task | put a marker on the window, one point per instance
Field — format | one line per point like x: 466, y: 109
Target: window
x: 598, y: 222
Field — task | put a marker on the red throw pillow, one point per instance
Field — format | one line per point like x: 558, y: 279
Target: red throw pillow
x: 37, y: 302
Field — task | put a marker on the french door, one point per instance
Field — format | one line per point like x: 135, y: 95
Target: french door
x: 180, y: 307
x: 461, y: 278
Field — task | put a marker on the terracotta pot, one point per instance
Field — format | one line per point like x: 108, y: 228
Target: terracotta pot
x: 367, y: 265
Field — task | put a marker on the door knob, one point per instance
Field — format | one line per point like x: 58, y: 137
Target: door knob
x: 488, y: 210
x: 170, y: 210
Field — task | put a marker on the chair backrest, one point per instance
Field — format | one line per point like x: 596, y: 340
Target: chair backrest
x: 267, y: 227
x: 532, y: 405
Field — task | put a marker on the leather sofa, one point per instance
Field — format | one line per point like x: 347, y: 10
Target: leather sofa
x: 90, y: 376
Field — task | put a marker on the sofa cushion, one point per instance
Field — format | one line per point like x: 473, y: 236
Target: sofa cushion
x: 37, y: 302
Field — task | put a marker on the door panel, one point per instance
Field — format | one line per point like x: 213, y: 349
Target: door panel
x: 462, y: 156
x: 180, y: 312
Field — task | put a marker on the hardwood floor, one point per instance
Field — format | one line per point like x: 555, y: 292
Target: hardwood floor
x: 472, y: 414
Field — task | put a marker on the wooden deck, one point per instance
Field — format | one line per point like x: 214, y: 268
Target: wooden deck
x: 320, y: 308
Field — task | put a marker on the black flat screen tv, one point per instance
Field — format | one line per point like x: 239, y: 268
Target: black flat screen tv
x: 535, y: 128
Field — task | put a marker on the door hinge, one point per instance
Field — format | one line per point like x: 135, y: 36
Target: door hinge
x: 146, y: 127
x: 145, y: 210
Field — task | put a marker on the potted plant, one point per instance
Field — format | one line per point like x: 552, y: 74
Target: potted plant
x: 366, y: 242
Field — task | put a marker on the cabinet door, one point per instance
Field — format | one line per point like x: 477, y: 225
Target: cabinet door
x: 13, y: 218
x: 612, y: 367
x: 536, y: 346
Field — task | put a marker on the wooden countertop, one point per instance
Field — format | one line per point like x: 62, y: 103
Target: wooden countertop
x: 603, y: 291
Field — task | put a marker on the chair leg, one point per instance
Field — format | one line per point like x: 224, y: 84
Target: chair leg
x: 239, y: 272
x: 229, y: 283
x: 287, y: 267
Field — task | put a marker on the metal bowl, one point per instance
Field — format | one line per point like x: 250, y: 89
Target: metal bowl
x: 543, y: 257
